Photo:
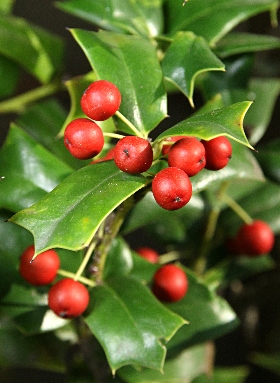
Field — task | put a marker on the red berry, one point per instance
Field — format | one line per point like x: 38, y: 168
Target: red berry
x: 172, y: 188
x: 42, y: 269
x: 83, y: 138
x: 256, y: 238
x: 170, y: 283
x: 68, y: 298
x: 218, y: 152
x: 149, y: 254
x: 187, y: 154
x: 133, y: 154
x: 165, y: 148
x: 101, y: 100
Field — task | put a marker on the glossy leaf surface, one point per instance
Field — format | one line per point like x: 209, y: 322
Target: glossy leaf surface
x: 226, y: 121
x: 38, y: 51
x: 29, y: 171
x: 119, y: 59
x: 69, y: 216
x: 237, y: 43
x: 181, y: 71
x: 9, y: 75
x: 140, y: 324
x: 201, y: 18
x: 134, y: 17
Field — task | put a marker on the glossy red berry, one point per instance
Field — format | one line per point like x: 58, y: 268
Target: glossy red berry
x: 256, y: 238
x: 83, y: 138
x: 101, y: 100
x: 166, y: 147
x: 187, y: 154
x: 172, y: 188
x: 149, y: 254
x: 133, y: 154
x: 40, y: 271
x: 68, y: 298
x: 218, y: 152
x: 170, y: 283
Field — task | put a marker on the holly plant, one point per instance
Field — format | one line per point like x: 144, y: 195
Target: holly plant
x: 123, y: 223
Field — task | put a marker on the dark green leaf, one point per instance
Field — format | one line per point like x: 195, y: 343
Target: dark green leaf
x: 200, y: 16
x: 217, y: 319
x: 181, y: 369
x: 237, y: 43
x: 264, y: 92
x: 226, y: 121
x: 140, y: 324
x: 29, y: 171
x: 236, y: 374
x: 69, y: 216
x: 268, y: 361
x: 9, y: 75
x: 38, y: 51
x: 180, y: 70
x: 269, y: 159
x: 119, y: 59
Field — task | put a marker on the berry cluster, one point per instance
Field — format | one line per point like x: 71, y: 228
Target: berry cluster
x: 67, y: 298
x: 185, y: 155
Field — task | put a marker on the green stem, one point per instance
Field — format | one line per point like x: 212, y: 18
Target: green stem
x: 128, y: 123
x: 68, y: 274
x: 237, y: 209
x: 85, y: 260
x: 113, y: 135
x: 169, y: 257
x: 18, y: 103
x: 111, y: 229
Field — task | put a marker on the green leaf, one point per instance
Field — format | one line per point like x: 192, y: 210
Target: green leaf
x: 200, y: 16
x: 237, y: 43
x: 226, y: 121
x: 69, y: 216
x: 264, y: 92
x: 236, y: 374
x: 36, y: 50
x: 9, y: 75
x: 268, y: 361
x: 6, y: 6
x: 119, y: 59
x: 29, y: 171
x: 140, y: 324
x: 182, y: 369
x: 140, y: 17
x: 269, y: 159
x: 180, y: 70
x: 218, y: 317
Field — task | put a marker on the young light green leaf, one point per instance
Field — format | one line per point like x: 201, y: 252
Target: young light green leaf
x: 69, y: 216
x: 38, y: 51
x: 200, y: 16
x: 140, y: 327
x: 119, y: 58
x: 180, y: 70
x: 227, y: 121
x: 29, y: 171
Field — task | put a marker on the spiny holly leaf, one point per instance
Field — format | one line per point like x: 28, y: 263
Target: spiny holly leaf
x: 142, y: 17
x: 131, y: 63
x: 237, y: 43
x: 180, y: 70
x: 69, y: 216
x: 140, y: 326
x: 226, y: 121
x: 200, y: 16
x: 29, y: 171
x: 38, y: 51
